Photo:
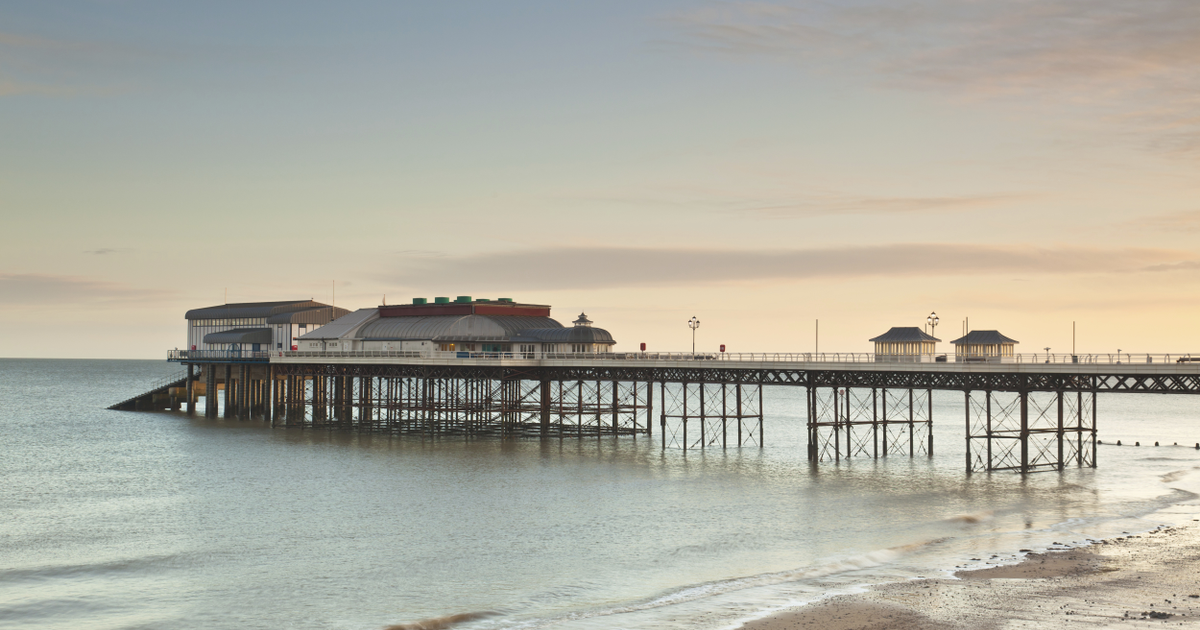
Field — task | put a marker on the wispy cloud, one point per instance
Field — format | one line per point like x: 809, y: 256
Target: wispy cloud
x: 1131, y: 63
x: 1183, y: 265
x: 105, y: 251
x: 23, y: 289
x: 33, y: 65
x: 590, y: 268
x: 1175, y: 222
x: 845, y: 204
x: 810, y: 204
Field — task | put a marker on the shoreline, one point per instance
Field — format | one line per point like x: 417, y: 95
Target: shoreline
x: 1139, y: 580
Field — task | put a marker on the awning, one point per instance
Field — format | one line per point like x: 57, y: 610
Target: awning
x: 240, y: 335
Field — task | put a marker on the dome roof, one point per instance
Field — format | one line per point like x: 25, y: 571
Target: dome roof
x: 453, y: 327
x: 577, y: 334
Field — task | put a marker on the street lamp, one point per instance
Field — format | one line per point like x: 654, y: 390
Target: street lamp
x: 693, y: 323
x: 932, y: 320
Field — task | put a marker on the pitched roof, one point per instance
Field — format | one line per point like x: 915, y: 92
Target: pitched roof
x: 252, y: 309
x: 903, y: 334
x: 984, y: 338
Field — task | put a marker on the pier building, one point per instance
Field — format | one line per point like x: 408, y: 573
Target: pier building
x: 907, y: 344
x: 256, y: 326
x: 984, y: 346
x: 465, y: 328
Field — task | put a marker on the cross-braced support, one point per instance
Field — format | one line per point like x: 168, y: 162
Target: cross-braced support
x: 1028, y: 431
x: 716, y: 415
x: 868, y: 422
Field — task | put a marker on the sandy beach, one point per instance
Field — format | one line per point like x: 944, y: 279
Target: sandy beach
x: 1149, y: 580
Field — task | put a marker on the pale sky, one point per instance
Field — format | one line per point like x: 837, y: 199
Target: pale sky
x: 759, y: 165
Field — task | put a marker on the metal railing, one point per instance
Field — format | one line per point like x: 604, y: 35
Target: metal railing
x: 167, y: 380
x: 769, y: 357
x: 219, y: 355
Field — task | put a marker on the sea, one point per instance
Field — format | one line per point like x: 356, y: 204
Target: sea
x: 140, y: 520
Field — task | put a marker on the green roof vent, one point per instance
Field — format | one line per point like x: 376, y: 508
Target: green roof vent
x: 463, y: 299
x: 508, y: 300
x: 420, y: 301
x: 441, y: 300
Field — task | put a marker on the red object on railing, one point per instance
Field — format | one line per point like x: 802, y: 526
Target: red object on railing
x: 295, y: 348
x: 193, y: 346
x: 643, y: 346
x: 722, y: 347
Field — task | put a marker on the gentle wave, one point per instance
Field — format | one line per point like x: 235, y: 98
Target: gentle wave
x: 859, y: 562
x: 99, y: 569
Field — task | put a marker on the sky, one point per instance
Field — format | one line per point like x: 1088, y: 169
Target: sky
x: 761, y: 166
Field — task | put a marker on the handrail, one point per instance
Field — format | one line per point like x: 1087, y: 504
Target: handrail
x: 218, y: 355
x: 167, y: 380
x: 758, y: 357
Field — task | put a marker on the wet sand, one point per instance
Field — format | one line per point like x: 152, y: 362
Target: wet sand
x: 1144, y: 581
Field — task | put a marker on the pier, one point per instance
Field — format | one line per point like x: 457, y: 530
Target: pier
x: 1029, y: 413
x: 475, y: 367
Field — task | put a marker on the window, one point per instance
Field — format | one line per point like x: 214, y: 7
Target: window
x: 446, y: 347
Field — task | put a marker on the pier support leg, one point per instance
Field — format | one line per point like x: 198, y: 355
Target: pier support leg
x: 544, y: 409
x: 270, y: 409
x: 228, y: 391
x: 650, y: 409
x: 1024, y: 432
x: 243, y: 393
x: 210, y: 390
x: 191, y: 390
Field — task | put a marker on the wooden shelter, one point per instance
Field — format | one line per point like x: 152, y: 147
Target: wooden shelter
x: 984, y: 345
x: 906, y: 344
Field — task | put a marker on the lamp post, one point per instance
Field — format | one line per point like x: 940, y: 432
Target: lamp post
x: 932, y: 320
x: 693, y: 323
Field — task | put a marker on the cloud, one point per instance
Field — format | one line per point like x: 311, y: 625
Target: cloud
x: 421, y: 253
x: 30, y: 64
x: 104, y: 251
x: 842, y: 204
x: 1176, y: 222
x: 26, y: 289
x: 809, y: 204
x: 1111, y: 56
x: 1183, y: 265
x: 597, y: 267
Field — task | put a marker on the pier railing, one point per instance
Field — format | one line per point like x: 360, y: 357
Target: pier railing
x: 757, y: 357
x: 220, y: 355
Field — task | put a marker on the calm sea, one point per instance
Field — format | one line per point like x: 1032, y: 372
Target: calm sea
x: 159, y: 520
